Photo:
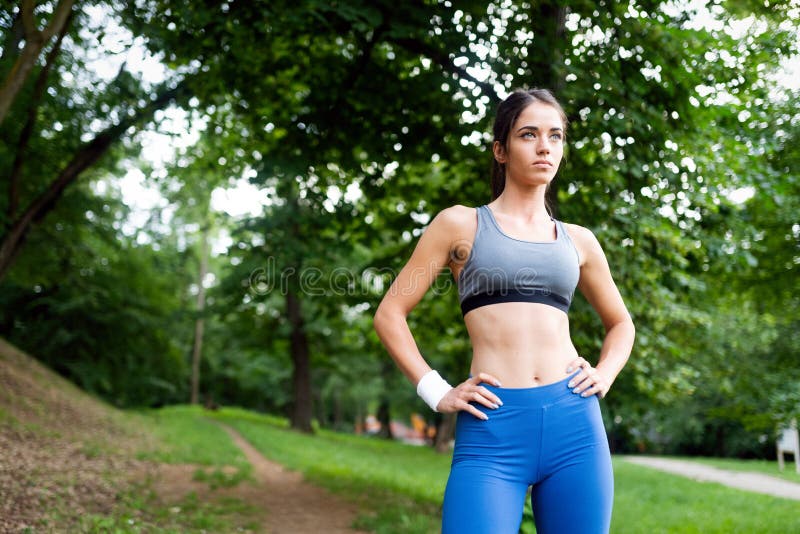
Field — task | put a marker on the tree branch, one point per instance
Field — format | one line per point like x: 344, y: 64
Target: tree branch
x: 14, y: 36
x: 358, y: 68
x: 27, y: 130
x: 34, y: 42
x: 88, y: 155
x: 446, y: 62
x: 28, y: 22
x: 59, y: 19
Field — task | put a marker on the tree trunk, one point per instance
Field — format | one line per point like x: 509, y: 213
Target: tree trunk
x: 34, y: 42
x: 338, y: 418
x: 302, y: 408
x: 445, y: 432
x: 384, y: 414
x: 13, y: 37
x: 92, y: 151
x: 546, y: 61
x: 719, y: 441
x: 199, y: 323
x: 385, y: 419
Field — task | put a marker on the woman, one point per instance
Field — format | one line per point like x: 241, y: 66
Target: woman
x: 528, y: 415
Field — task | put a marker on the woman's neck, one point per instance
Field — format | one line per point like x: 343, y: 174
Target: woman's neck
x: 528, y: 204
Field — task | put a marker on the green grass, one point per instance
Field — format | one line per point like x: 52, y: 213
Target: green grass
x: 765, y: 467
x: 141, y: 512
x: 398, y: 487
x: 181, y: 435
x: 649, y: 501
x: 186, y: 435
x: 5, y: 416
x: 340, y: 456
x: 403, y: 485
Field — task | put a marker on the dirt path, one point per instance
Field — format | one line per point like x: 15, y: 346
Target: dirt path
x: 292, y: 505
x: 63, y: 456
x: 736, y: 479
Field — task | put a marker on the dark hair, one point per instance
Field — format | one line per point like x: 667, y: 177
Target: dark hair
x: 508, y: 111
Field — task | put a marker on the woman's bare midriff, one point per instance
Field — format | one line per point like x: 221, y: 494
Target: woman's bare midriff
x: 522, y: 344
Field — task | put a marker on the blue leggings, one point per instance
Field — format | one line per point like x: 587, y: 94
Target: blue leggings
x: 545, y: 436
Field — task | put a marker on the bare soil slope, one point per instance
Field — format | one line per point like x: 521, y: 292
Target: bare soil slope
x: 62, y: 452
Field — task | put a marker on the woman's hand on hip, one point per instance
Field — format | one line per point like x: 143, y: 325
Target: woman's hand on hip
x: 470, y: 390
x: 589, y: 381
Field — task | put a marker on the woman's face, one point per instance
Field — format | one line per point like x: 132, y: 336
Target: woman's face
x: 534, y: 147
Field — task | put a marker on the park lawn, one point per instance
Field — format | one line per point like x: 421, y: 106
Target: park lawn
x: 398, y: 487
x: 141, y: 511
x: 181, y: 435
x: 401, y: 486
x: 185, y: 434
x: 648, y: 501
x: 765, y: 467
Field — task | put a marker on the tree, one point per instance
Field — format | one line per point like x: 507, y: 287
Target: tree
x: 393, y: 103
x: 100, y: 308
x: 41, y: 168
x: 654, y: 147
x: 350, y: 49
x: 653, y: 143
x: 35, y: 40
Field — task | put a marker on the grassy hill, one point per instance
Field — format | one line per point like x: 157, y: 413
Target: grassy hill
x: 63, y: 453
x: 71, y: 463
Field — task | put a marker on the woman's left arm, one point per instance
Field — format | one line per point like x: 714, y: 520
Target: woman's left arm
x: 597, y: 285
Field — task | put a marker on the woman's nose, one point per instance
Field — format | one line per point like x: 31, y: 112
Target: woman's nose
x: 542, y: 147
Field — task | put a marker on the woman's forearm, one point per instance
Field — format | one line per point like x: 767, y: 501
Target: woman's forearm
x: 393, y: 331
x: 616, y: 349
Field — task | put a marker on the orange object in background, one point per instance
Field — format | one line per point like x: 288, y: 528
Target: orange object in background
x: 431, y: 432
x: 418, y: 423
x: 418, y: 433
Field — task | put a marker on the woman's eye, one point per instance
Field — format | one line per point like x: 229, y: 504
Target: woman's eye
x: 528, y: 135
x: 556, y: 137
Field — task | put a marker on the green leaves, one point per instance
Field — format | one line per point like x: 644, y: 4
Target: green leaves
x: 392, y: 103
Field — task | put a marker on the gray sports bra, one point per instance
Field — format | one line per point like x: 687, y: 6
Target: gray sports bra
x: 501, y: 268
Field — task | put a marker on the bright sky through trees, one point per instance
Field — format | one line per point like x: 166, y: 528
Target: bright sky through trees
x: 174, y: 132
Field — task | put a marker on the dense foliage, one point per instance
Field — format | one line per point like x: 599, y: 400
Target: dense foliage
x: 358, y: 121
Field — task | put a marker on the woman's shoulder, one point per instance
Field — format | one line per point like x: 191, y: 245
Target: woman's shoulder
x: 457, y: 214
x: 576, y: 231
x: 457, y: 222
x: 584, y: 239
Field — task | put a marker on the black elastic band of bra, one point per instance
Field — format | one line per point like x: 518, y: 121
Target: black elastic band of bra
x: 539, y: 296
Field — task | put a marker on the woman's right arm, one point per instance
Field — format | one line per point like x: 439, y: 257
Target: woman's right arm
x: 430, y: 256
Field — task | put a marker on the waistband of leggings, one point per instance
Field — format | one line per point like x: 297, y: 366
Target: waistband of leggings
x: 536, y: 395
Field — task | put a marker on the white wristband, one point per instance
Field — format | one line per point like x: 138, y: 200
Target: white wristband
x: 432, y: 387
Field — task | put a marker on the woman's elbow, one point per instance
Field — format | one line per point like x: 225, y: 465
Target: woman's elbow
x: 630, y: 329
x: 378, y: 319
x: 381, y: 317
x: 387, y: 317
x: 623, y: 323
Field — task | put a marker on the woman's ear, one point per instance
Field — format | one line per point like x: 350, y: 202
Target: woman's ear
x: 499, y: 152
